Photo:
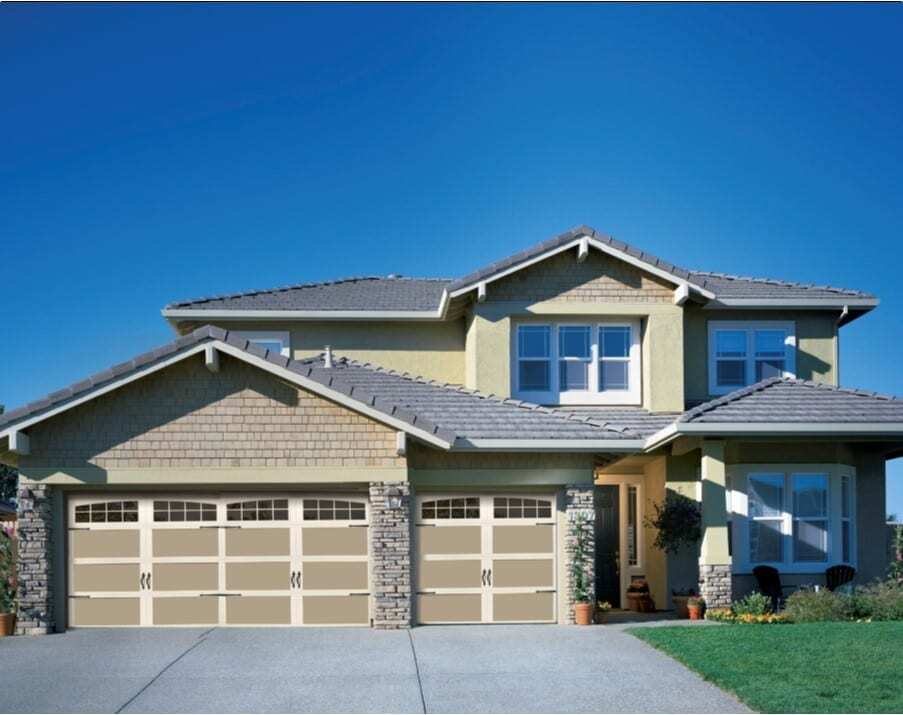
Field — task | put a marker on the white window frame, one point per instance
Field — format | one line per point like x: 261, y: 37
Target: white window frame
x: 740, y: 474
x: 269, y: 336
x: 592, y: 395
x: 749, y: 327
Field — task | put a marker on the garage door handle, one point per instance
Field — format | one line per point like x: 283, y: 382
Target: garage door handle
x: 483, y: 577
x: 148, y: 579
x: 143, y: 575
x: 489, y: 577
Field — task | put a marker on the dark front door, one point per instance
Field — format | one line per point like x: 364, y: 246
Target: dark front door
x: 608, y: 543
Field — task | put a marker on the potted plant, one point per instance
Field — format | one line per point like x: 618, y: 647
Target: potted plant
x: 695, y: 606
x: 7, y: 584
x: 581, y: 579
x: 638, y: 597
x: 680, y: 597
x: 602, y: 609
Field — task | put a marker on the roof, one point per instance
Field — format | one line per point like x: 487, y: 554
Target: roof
x: 401, y: 297
x: 447, y: 414
x: 636, y: 419
x: 786, y: 400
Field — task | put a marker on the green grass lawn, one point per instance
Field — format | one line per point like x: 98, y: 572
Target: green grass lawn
x: 798, y: 668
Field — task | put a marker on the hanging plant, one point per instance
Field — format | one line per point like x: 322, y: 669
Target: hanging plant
x: 677, y: 523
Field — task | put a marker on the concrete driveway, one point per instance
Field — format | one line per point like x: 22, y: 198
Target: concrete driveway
x: 431, y: 669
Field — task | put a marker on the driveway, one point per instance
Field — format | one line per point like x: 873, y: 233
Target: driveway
x: 428, y: 669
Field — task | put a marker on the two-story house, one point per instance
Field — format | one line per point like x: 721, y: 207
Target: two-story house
x: 393, y: 451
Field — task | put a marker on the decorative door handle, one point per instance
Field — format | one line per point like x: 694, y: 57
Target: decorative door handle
x: 143, y: 576
x: 489, y: 577
x: 483, y: 577
x: 148, y: 579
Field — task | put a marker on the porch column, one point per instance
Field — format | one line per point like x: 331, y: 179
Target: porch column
x: 715, y: 583
x: 390, y: 554
x: 579, y: 502
x: 35, y: 563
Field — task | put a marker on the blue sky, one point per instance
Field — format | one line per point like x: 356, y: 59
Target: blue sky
x: 159, y: 152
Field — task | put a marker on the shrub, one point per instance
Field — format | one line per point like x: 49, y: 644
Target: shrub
x: 7, y: 573
x: 879, y: 601
x: 677, y: 523
x: 755, y: 604
x: 812, y: 606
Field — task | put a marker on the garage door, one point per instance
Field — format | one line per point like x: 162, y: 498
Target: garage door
x: 486, y: 559
x: 214, y: 560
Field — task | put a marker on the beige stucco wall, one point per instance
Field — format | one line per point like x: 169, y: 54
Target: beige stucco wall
x: 185, y: 420
x: 656, y: 562
x: 815, y: 334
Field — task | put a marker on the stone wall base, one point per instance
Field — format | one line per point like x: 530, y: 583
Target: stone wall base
x: 35, y: 564
x: 390, y: 555
x: 716, y: 585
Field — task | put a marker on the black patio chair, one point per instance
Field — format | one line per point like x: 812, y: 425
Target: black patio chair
x: 770, y: 584
x: 839, y: 574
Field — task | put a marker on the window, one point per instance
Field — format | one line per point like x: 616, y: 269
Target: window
x: 521, y: 508
x: 112, y: 512
x: 276, y: 341
x: 333, y: 510
x: 766, y: 518
x: 593, y: 363
x: 455, y: 508
x: 258, y: 510
x: 810, y: 517
x: 741, y: 353
x: 184, y: 511
x: 846, y: 517
x: 632, y: 535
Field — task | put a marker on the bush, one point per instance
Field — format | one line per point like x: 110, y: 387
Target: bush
x: 813, y: 606
x: 7, y: 573
x: 879, y: 601
x: 755, y: 604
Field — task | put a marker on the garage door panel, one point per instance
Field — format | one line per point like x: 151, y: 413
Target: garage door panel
x: 449, y: 540
x: 511, y: 573
x: 106, y: 577
x: 185, y: 542
x: 328, y: 610
x: 450, y: 607
x: 334, y: 541
x: 450, y: 574
x: 263, y: 576
x: 258, y: 542
x: 334, y: 575
x: 531, y: 539
x: 186, y: 577
x: 184, y: 611
x: 523, y: 606
x: 258, y: 610
x: 104, y: 612
x: 105, y: 544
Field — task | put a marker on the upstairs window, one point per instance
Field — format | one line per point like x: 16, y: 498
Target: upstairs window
x: 576, y: 364
x: 742, y: 353
x: 276, y: 341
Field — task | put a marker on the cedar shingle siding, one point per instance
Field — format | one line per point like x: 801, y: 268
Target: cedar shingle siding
x: 185, y: 416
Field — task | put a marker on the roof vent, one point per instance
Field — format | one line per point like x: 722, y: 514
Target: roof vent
x: 327, y: 356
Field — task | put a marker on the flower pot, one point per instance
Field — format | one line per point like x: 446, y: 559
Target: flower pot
x: 680, y: 606
x: 583, y: 614
x: 7, y: 624
x: 695, y: 612
x: 600, y: 616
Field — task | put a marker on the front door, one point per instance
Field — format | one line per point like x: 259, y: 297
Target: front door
x: 608, y: 544
x: 619, y: 536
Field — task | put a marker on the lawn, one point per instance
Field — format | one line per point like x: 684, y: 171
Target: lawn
x: 804, y: 668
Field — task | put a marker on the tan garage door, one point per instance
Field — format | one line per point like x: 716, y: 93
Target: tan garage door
x: 486, y: 559
x: 213, y: 560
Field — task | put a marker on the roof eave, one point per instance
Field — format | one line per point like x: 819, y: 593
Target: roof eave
x: 180, y: 314
x: 626, y: 446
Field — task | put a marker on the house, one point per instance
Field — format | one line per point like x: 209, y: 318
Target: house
x: 394, y: 451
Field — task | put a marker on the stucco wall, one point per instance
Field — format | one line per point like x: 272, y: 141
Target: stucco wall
x: 815, y: 343
x: 187, y: 417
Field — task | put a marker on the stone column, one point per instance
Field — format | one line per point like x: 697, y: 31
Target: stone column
x: 578, y: 500
x: 390, y: 556
x: 35, y: 564
x: 715, y: 580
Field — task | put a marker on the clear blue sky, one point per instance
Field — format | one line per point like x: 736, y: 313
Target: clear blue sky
x: 160, y: 152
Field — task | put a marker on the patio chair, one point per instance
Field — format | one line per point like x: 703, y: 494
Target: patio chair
x: 770, y: 584
x: 838, y: 575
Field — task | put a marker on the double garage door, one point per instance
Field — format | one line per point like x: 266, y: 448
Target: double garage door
x: 195, y: 561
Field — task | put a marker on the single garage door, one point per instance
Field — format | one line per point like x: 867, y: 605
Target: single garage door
x: 486, y: 559
x: 218, y: 560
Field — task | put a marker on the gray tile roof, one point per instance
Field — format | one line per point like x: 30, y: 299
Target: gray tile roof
x: 364, y: 293
x: 780, y: 400
x: 448, y: 411
x: 637, y: 420
x: 400, y: 293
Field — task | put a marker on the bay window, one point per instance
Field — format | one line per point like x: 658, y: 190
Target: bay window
x: 588, y: 363
x: 810, y: 517
x: 742, y: 353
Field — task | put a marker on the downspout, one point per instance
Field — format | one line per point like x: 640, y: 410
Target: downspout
x: 843, y: 314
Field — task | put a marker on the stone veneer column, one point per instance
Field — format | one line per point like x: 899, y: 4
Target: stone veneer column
x: 390, y: 556
x: 35, y: 570
x: 579, y: 500
x: 715, y: 579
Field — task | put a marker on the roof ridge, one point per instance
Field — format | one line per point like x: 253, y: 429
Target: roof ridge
x: 299, y: 286
x: 778, y: 282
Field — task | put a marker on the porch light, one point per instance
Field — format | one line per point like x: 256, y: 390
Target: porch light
x: 393, y: 498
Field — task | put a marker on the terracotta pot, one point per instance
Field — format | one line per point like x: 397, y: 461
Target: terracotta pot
x: 7, y: 624
x: 680, y: 606
x: 583, y: 613
x: 695, y: 612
